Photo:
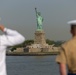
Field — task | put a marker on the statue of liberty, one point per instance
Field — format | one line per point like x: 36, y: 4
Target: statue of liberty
x: 39, y: 19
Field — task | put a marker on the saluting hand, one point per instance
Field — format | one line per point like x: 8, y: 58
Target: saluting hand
x: 2, y: 27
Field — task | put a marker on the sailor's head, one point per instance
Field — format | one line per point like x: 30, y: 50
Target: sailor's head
x: 73, y: 27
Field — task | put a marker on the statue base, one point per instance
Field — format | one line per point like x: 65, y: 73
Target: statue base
x: 40, y: 37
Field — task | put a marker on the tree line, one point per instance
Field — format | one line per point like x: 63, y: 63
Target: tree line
x: 50, y: 42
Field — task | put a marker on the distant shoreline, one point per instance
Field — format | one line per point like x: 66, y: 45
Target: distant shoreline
x: 31, y: 54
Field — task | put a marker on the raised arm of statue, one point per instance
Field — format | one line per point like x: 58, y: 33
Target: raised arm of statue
x: 36, y: 12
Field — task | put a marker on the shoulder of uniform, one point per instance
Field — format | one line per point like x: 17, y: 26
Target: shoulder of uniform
x: 67, y: 43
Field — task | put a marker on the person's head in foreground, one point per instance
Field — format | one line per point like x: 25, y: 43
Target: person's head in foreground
x: 73, y: 27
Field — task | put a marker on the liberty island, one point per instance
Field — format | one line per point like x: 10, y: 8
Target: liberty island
x: 40, y: 46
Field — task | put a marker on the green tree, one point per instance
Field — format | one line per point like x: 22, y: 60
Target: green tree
x: 50, y: 42
x: 28, y: 42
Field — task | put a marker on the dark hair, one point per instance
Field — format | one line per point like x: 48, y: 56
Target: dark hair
x: 73, y: 27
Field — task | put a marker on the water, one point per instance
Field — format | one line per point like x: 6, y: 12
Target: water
x: 32, y: 65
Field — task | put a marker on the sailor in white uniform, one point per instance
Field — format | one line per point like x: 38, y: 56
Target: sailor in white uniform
x: 9, y: 38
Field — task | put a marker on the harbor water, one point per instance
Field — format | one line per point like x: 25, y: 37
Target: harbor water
x: 32, y: 65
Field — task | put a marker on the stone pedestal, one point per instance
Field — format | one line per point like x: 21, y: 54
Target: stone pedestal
x: 40, y: 37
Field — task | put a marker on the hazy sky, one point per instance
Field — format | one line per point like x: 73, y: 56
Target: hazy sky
x: 20, y: 15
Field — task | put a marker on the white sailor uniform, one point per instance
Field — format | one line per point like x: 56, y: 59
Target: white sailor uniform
x: 10, y: 38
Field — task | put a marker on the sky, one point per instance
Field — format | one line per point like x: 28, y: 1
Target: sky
x: 20, y: 15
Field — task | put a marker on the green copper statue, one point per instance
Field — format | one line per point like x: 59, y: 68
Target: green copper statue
x: 39, y: 20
